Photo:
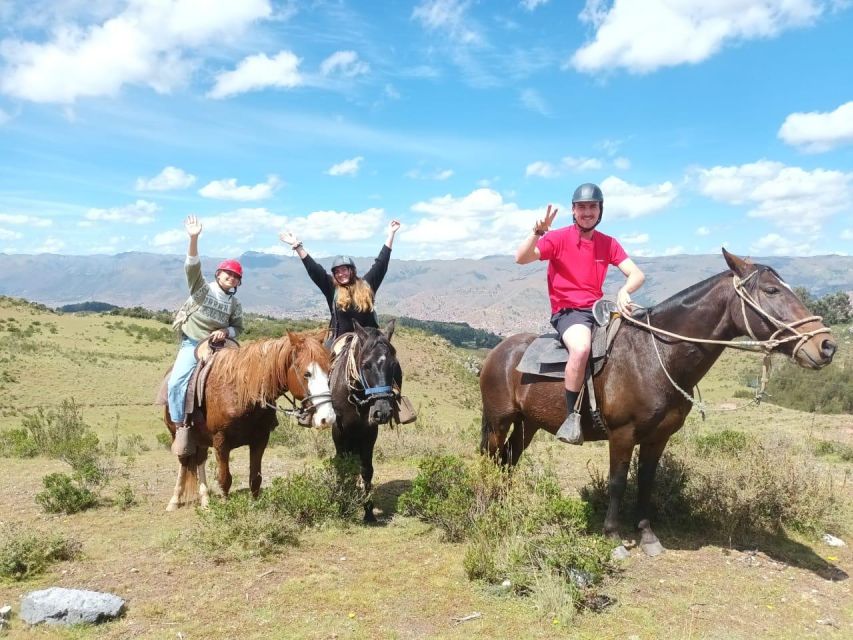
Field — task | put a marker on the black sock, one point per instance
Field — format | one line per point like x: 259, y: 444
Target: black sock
x: 571, y: 399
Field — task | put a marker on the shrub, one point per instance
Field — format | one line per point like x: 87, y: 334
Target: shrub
x: 61, y: 433
x: 25, y: 554
x: 63, y: 495
x: 241, y: 527
x: 125, y: 497
x: 727, y: 442
x: 840, y: 450
x: 829, y: 390
x: 17, y: 443
x: 164, y: 439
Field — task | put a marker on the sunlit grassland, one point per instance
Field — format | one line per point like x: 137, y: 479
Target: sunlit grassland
x: 396, y: 580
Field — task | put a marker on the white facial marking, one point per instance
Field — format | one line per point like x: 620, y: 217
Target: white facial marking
x: 318, y: 383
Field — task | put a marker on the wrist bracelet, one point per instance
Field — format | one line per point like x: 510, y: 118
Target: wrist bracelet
x: 536, y: 232
x: 296, y: 246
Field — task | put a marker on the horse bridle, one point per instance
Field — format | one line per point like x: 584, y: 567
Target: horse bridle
x: 305, y: 407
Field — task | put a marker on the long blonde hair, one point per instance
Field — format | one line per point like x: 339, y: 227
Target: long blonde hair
x: 359, y: 294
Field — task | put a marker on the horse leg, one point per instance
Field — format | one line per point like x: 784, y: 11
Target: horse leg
x: 256, y: 453
x: 177, y: 495
x: 222, y: 453
x: 203, y: 489
x: 517, y: 442
x: 620, y: 461
x: 648, y: 463
x: 366, y: 455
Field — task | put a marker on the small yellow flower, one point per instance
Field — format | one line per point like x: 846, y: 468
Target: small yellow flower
x: 352, y: 614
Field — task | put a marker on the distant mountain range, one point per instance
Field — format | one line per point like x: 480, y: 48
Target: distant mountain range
x: 491, y: 293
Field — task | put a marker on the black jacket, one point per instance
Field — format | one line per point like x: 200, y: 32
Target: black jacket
x: 342, y: 318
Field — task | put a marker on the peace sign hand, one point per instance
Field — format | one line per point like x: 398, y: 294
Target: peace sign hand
x: 543, y: 225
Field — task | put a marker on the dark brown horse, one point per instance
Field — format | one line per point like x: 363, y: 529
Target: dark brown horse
x: 636, y: 390
x: 239, y: 406
x: 362, y: 384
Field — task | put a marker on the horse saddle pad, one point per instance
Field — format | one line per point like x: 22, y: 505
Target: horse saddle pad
x: 547, y: 356
x: 204, y: 353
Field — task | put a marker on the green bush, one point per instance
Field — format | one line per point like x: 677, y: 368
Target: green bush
x: 25, y: 554
x: 829, y: 390
x: 63, y: 495
x: 125, y: 497
x: 840, y: 450
x: 164, y: 439
x: 62, y: 434
x: 17, y: 443
x: 727, y: 442
x: 242, y: 527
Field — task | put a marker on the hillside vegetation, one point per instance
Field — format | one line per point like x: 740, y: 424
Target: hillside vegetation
x: 743, y: 502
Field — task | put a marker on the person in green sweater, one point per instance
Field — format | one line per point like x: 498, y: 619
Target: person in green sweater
x: 211, y: 311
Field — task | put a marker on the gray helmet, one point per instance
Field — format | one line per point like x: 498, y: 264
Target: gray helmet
x: 589, y: 192
x: 343, y: 261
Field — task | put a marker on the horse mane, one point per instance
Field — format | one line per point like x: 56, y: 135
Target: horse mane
x: 257, y: 371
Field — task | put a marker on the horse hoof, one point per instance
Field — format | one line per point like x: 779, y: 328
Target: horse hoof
x: 204, y: 503
x: 172, y: 506
x: 369, y: 518
x: 620, y: 553
x: 652, y: 549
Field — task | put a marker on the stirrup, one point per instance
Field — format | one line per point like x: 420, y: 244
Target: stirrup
x: 570, y: 431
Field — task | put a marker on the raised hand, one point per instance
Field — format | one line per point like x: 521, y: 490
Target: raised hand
x: 394, y: 226
x: 544, y: 224
x: 193, y: 226
x: 288, y: 238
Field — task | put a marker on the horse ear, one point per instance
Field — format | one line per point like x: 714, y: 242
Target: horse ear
x: 295, y: 338
x: 389, y: 328
x: 359, y: 330
x: 740, y: 266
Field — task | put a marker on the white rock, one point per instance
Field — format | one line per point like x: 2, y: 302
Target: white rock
x: 832, y: 541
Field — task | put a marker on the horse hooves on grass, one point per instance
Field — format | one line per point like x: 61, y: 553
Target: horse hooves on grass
x: 653, y: 549
x: 620, y: 553
x: 172, y: 506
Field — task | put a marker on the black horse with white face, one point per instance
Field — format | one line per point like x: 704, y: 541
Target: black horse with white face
x: 363, y: 380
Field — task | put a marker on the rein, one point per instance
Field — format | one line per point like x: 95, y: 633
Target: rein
x: 355, y: 374
x: 755, y: 345
x: 306, y: 406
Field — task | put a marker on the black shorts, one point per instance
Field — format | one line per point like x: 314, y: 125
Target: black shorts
x: 565, y: 318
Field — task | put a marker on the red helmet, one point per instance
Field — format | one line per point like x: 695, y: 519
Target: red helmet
x: 231, y: 265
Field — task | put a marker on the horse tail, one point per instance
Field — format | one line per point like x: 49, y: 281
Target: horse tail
x: 189, y: 490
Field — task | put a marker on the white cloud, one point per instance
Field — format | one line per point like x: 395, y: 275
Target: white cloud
x: 227, y: 189
x: 391, y: 92
x: 346, y: 168
x: 478, y: 224
x: 259, y: 72
x: 636, y: 238
x: 703, y: 231
x: 168, y: 179
x: 847, y: 234
x: 533, y: 101
x: 140, y: 212
x: 624, y: 200
x: 775, y: 245
x: 816, y: 132
x: 673, y: 251
x: 50, y: 245
x: 5, y: 234
x: 438, y: 174
x: 345, y: 63
x: 531, y: 5
x: 644, y: 36
x: 790, y: 197
x: 447, y: 17
x: 622, y: 163
x: 27, y: 221
x: 169, y: 238
x: 541, y: 169
x: 147, y: 45
x: 581, y: 164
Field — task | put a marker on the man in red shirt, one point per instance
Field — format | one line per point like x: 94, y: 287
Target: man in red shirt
x: 578, y: 257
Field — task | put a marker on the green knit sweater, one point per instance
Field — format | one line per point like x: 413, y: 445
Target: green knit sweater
x: 208, y: 308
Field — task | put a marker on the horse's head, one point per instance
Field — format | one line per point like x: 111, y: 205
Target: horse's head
x: 377, y: 365
x: 308, y: 377
x: 769, y: 310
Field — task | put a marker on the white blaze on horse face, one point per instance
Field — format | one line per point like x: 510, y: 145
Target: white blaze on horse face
x: 318, y: 384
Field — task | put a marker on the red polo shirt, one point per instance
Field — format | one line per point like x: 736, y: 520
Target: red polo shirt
x: 577, y: 267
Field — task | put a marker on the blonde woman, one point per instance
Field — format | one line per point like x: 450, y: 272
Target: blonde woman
x: 349, y: 296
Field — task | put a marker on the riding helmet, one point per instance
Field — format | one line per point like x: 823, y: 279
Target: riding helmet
x: 589, y: 192
x: 231, y: 265
x: 343, y: 261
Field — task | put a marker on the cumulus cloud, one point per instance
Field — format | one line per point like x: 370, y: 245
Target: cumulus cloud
x: 791, y: 197
x: 26, y: 221
x: 257, y: 72
x: 50, y: 245
x: 228, y: 189
x: 474, y: 225
x: 644, y: 36
x: 5, y: 234
x: 625, y: 200
x: 169, y: 238
x: 346, y: 168
x: 345, y: 63
x: 140, y: 212
x: 775, y: 245
x: 168, y: 179
x: 541, y: 169
x: 816, y: 132
x: 147, y: 44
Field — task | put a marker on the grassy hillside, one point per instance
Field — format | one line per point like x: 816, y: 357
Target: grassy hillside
x: 395, y: 580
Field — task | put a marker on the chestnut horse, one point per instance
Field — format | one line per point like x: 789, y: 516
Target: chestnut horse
x: 645, y: 390
x: 362, y: 386
x: 239, y: 406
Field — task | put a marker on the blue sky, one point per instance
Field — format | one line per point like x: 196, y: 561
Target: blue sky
x: 707, y: 124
